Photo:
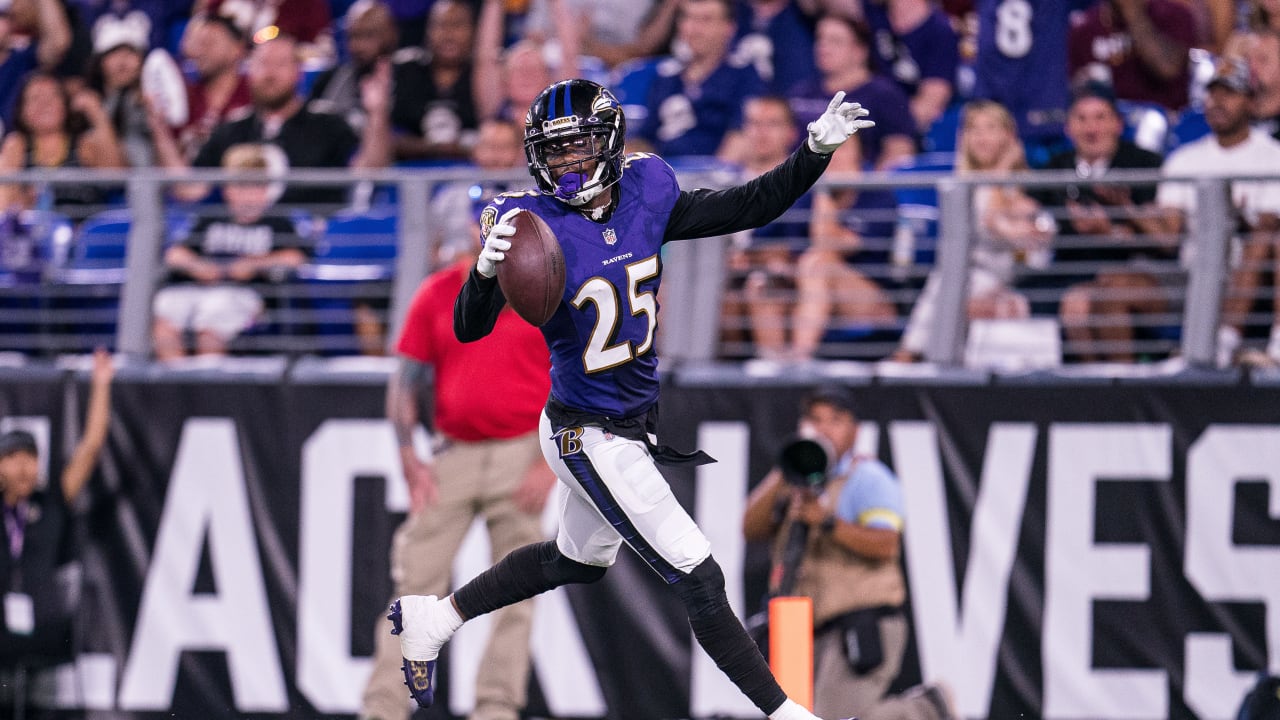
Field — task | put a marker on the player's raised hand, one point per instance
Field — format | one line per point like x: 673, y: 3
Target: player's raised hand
x: 837, y: 124
x: 496, y: 244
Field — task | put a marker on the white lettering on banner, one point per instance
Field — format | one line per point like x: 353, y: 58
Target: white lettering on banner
x: 959, y: 641
x: 328, y: 676
x: 206, y: 499
x: 721, y: 500
x: 1221, y: 570
x: 1078, y: 571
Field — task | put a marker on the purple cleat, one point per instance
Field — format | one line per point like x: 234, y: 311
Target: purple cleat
x: 417, y: 673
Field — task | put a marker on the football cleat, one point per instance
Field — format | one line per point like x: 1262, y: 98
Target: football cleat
x: 417, y: 673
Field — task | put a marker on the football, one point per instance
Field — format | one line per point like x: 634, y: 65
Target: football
x: 532, y: 275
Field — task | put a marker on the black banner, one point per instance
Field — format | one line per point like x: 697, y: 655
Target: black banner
x: 1073, y: 551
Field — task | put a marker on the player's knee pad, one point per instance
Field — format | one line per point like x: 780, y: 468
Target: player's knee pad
x: 703, y: 589
x: 561, y: 570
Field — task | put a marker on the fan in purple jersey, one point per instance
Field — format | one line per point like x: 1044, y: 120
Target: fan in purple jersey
x: 842, y: 53
x: 612, y: 213
x: 916, y: 47
x: 695, y: 101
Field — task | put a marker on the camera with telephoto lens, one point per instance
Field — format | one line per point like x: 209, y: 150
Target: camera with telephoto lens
x: 805, y: 462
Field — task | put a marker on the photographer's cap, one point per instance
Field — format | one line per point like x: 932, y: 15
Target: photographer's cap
x: 837, y: 396
x: 16, y: 441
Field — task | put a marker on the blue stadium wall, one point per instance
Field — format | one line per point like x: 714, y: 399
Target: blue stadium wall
x: 1074, y: 550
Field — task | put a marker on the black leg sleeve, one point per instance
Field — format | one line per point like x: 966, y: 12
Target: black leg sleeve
x: 523, y: 573
x: 721, y: 634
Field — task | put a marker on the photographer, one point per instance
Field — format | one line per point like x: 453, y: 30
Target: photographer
x: 835, y: 521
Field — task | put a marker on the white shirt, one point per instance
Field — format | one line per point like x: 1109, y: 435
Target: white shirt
x: 1258, y: 155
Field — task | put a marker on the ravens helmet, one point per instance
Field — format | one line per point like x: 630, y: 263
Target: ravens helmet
x: 571, y: 124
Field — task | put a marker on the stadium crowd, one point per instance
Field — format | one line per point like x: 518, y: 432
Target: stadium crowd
x: 963, y: 86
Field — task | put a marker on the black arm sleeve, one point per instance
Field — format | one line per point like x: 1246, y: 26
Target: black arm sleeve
x: 704, y: 213
x: 476, y: 310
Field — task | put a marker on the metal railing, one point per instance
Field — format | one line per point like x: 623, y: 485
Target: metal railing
x: 38, y: 310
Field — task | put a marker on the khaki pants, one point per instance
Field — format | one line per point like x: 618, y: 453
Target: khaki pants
x: 476, y: 480
x: 838, y: 692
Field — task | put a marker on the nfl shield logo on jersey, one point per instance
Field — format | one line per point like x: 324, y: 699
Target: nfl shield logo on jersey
x: 610, y: 237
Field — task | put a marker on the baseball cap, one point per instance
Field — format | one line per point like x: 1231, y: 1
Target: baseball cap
x: 17, y: 441
x: 131, y: 30
x: 837, y: 396
x: 1233, y: 74
x: 1091, y: 88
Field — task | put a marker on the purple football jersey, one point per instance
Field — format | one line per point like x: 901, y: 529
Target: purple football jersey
x: 602, y: 335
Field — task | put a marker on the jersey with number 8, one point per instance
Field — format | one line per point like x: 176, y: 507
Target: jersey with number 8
x: 602, y: 335
x: 1022, y: 61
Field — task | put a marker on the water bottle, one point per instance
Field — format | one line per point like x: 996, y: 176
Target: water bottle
x: 903, y: 254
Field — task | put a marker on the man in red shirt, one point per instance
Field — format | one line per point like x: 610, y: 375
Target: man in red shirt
x: 487, y: 462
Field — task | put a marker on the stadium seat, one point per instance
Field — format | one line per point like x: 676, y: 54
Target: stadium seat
x: 1189, y: 126
x: 919, y: 205
x: 353, y: 265
x: 941, y: 135
x: 355, y: 246
x: 32, y: 245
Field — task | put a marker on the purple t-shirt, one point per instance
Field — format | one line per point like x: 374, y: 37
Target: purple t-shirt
x: 781, y: 48
x: 688, y: 119
x: 929, y: 50
x: 888, y: 106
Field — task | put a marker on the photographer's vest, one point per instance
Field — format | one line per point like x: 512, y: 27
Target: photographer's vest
x: 837, y: 579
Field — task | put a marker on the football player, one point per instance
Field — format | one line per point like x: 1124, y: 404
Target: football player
x: 612, y: 213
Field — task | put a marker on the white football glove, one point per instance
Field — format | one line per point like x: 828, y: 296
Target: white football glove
x: 496, y: 244
x: 837, y: 124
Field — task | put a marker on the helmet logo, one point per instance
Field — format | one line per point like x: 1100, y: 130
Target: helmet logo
x: 560, y: 122
x: 604, y: 101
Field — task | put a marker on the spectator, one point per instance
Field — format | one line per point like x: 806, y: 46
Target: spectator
x: 411, y: 20
x: 212, y: 265
x: 18, y: 56
x: 1233, y: 148
x: 1261, y: 50
x: 488, y: 465
x: 499, y: 149
x: 1262, y: 15
x: 115, y: 73
x: 35, y: 624
x: 915, y: 45
x: 1021, y: 63
x: 309, y: 22
x: 371, y: 38
x: 215, y: 47
x: 762, y: 262
x: 164, y: 15
x: 777, y: 37
x: 1100, y: 313
x: 695, y: 102
x: 434, y: 114
x: 614, y: 31
x: 841, y: 274
x: 1012, y: 231
x: 507, y: 81
x: 53, y: 130
x: 1139, y: 47
x: 842, y: 54
x: 849, y: 515
x: 308, y: 139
